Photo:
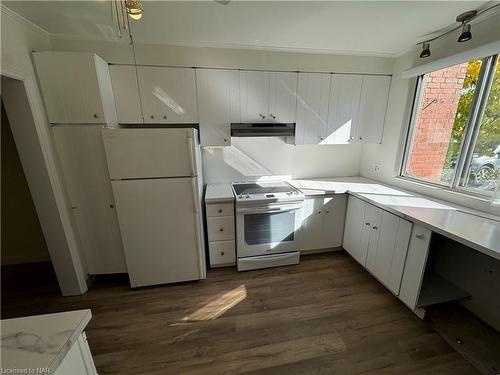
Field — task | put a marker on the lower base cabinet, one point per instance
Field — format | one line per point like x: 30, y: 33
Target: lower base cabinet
x: 78, y: 360
x: 378, y: 240
x: 323, y: 219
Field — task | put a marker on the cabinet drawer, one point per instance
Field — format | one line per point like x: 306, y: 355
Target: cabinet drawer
x: 220, y: 209
x: 220, y: 228
x: 221, y: 253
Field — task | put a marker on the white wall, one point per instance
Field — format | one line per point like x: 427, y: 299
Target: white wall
x: 251, y: 158
x: 23, y: 104
x: 389, y: 153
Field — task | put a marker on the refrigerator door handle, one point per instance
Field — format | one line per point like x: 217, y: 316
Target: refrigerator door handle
x: 191, y: 156
x: 201, y: 265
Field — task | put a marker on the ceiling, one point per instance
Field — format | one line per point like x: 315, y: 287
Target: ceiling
x: 382, y: 28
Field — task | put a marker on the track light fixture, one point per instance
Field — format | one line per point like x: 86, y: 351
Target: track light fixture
x: 426, y: 50
x: 464, y: 19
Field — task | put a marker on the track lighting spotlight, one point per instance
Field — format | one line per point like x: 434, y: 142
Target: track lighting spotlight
x: 466, y: 34
x: 426, y: 50
x: 465, y: 18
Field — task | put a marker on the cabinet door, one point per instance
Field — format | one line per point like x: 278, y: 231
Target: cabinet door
x: 313, y: 96
x: 168, y: 95
x: 218, y: 105
x: 354, y: 227
x: 283, y: 97
x: 70, y: 87
x: 414, y: 268
x: 83, y: 163
x: 126, y: 93
x: 345, y: 93
x: 372, y: 108
x: 254, y: 95
x: 334, y: 213
x: 311, y: 231
x: 371, y: 232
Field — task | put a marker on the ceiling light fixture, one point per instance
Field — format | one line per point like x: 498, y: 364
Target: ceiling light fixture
x: 464, y: 19
x: 134, y: 9
x: 426, y: 50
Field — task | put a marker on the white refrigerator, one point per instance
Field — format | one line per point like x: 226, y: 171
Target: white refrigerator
x: 157, y: 186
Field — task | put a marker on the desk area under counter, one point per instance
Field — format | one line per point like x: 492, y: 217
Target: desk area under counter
x: 446, y: 252
x: 219, y: 209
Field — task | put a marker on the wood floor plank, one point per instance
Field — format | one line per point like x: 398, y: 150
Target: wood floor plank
x: 325, y: 315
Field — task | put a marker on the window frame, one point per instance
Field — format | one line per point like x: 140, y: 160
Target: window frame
x: 471, y: 132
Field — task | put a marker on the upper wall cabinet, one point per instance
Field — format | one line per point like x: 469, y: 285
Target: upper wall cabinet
x: 168, y: 95
x: 76, y: 88
x: 218, y: 105
x: 341, y: 108
x: 313, y: 95
x: 372, y: 108
x: 345, y: 94
x: 126, y: 93
x: 268, y: 96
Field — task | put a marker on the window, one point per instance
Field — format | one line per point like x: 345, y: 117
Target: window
x: 454, y: 137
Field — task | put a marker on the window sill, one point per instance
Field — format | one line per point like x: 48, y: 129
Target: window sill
x: 454, y: 192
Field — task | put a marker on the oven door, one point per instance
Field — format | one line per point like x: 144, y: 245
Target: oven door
x: 267, y: 230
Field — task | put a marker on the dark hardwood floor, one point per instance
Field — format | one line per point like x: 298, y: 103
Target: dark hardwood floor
x: 324, y: 316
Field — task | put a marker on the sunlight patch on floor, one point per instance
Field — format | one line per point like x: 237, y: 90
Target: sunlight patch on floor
x: 218, y: 306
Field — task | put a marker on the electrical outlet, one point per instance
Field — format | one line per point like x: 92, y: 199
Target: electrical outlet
x: 377, y: 168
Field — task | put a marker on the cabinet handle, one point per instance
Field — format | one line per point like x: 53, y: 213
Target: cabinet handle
x: 319, y: 212
x: 111, y: 206
x: 221, y: 253
x: 420, y: 236
x: 327, y: 212
x: 151, y: 116
x: 360, y: 138
x: 262, y: 116
x: 225, y: 140
x: 272, y: 116
x: 320, y: 138
x: 375, y: 227
x: 221, y: 229
x: 96, y: 115
x: 350, y: 139
x: 367, y: 223
x: 220, y: 210
x: 164, y: 117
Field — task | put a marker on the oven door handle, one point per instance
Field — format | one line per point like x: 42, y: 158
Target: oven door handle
x: 255, y: 210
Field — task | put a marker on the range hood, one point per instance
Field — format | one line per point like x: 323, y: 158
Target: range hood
x: 262, y: 129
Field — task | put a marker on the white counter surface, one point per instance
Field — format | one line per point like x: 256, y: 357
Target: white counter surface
x: 471, y: 228
x: 40, y: 341
x: 218, y: 193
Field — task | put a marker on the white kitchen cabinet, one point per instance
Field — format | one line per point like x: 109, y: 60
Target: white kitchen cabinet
x: 268, y: 96
x: 313, y: 97
x: 85, y: 173
x: 126, y: 93
x: 78, y: 360
x: 386, y: 260
x: 283, y: 97
x: 254, y: 96
x: 218, y: 105
x: 372, y: 108
x: 414, y: 269
x: 168, y: 95
x: 323, y: 219
x: 354, y: 227
x: 343, y: 111
x: 76, y: 88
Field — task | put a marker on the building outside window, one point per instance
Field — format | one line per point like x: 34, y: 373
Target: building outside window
x: 454, y: 137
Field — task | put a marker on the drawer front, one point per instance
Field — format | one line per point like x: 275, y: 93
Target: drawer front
x: 221, y: 253
x: 220, y: 228
x: 220, y: 209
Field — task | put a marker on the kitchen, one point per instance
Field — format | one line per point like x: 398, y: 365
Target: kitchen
x: 264, y: 173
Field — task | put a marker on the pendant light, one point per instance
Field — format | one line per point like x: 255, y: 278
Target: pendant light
x: 465, y: 18
x: 134, y: 9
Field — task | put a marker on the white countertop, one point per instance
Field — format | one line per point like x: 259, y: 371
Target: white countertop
x: 218, y: 193
x: 40, y: 341
x: 469, y: 227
